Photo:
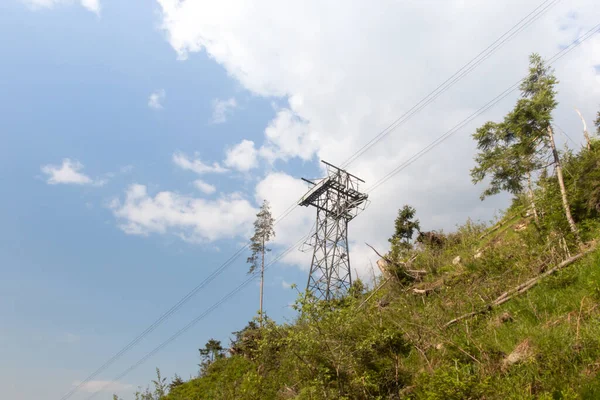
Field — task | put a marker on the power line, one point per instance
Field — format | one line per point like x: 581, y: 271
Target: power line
x: 419, y: 154
x: 481, y: 110
x: 168, y: 313
x: 461, y: 73
x: 457, y: 76
x: 181, y: 331
x: 564, y: 133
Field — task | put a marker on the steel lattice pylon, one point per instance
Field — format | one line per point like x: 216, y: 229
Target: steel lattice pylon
x: 337, y: 201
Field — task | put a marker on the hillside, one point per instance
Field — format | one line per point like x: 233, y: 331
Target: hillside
x: 541, y: 341
x: 544, y: 343
x: 509, y: 311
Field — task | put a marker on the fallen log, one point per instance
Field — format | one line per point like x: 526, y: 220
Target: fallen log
x: 409, y: 273
x: 522, y: 288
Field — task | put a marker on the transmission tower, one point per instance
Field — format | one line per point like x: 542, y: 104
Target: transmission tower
x: 338, y: 201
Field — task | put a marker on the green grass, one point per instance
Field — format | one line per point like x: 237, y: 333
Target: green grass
x: 402, y: 350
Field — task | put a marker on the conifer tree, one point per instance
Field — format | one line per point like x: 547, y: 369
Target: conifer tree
x: 404, y: 229
x: 176, y: 382
x: 511, y: 150
x: 263, y: 233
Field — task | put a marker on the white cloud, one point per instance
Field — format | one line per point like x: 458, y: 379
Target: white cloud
x: 91, y: 5
x: 222, y: 109
x: 156, y: 99
x: 288, y: 136
x: 68, y: 173
x: 348, y: 72
x: 104, y: 386
x: 195, y: 165
x: 204, y: 187
x: 282, y: 190
x: 242, y: 156
x: 192, y: 219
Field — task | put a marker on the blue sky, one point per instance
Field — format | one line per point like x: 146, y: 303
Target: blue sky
x: 75, y: 288
x: 263, y: 92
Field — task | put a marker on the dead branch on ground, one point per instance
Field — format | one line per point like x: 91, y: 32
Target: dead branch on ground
x: 512, y: 293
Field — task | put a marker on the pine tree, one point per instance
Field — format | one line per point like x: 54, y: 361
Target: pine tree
x: 263, y: 233
x: 404, y: 229
x: 211, y: 351
x: 175, y: 382
x: 510, y: 151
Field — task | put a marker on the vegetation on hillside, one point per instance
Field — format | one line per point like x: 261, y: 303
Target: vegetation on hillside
x: 509, y: 311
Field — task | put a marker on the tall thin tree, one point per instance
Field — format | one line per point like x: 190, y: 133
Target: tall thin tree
x: 263, y: 234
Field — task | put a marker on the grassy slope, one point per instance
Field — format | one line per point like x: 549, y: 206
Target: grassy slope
x: 552, y: 331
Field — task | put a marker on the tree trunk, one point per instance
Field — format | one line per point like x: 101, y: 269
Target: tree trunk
x: 531, y: 199
x: 262, y: 280
x: 563, y: 190
x: 585, y: 132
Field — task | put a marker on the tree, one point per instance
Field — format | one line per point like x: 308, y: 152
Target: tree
x: 176, y: 382
x: 597, y: 123
x: 160, y: 386
x: 405, y: 225
x: 211, y: 351
x: 512, y: 150
x: 404, y: 229
x: 245, y: 342
x: 263, y: 233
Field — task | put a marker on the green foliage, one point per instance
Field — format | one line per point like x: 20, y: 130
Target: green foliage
x: 160, y: 385
x: 224, y: 379
x: 246, y: 340
x: 392, y: 343
x: 582, y: 180
x: 452, y: 383
x: 175, y: 382
x: 404, y: 227
x: 511, y: 150
x: 159, y: 392
x: 393, y: 346
x: 211, y: 351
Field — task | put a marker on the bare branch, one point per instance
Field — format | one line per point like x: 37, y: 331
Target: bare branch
x: 509, y: 295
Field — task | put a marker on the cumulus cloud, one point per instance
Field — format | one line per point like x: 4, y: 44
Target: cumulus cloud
x: 192, y: 219
x: 282, y: 190
x: 242, y: 156
x: 348, y: 72
x: 204, y: 187
x: 104, y: 386
x: 91, y: 5
x: 222, y: 109
x: 288, y: 136
x: 156, y: 99
x: 196, y: 165
x: 68, y: 173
